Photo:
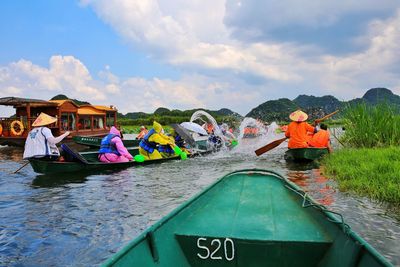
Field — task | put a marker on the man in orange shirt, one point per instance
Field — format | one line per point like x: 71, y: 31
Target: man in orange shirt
x: 297, y: 130
x: 321, y: 138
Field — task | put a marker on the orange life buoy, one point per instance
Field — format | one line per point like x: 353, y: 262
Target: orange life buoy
x: 1, y: 129
x: 19, y: 130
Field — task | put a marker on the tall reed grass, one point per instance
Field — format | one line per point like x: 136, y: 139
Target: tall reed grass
x: 371, y: 126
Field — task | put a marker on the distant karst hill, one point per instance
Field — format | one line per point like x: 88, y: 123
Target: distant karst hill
x: 166, y: 116
x: 64, y: 97
x: 317, y: 107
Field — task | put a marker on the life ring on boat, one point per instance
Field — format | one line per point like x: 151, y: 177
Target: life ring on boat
x: 17, y: 130
x: 1, y: 129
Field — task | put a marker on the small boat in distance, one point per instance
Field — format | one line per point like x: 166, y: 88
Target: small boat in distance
x: 82, y: 120
x: 305, y: 154
x: 249, y: 218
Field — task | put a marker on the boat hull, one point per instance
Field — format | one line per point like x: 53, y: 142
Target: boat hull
x: 54, y: 167
x: 95, y: 142
x: 305, y: 154
x: 249, y: 218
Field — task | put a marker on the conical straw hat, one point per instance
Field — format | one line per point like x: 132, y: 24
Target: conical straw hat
x: 298, y: 116
x: 43, y: 120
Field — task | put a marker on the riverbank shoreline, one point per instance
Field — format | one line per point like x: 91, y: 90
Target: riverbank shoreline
x: 370, y: 172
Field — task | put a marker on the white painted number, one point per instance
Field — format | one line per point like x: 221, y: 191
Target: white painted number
x: 232, y: 248
x: 202, y: 247
x: 228, y: 247
x: 215, y: 251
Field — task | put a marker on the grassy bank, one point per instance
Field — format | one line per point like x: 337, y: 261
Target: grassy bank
x: 372, y: 172
x: 370, y: 163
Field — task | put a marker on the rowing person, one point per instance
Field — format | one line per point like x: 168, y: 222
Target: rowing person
x: 297, y: 130
x: 112, y: 148
x: 40, y: 142
x: 155, y: 144
x: 321, y: 139
x: 142, y: 133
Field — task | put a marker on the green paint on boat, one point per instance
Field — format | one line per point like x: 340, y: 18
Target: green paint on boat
x: 249, y: 218
x: 93, y: 141
x: 305, y: 154
x: 93, y: 163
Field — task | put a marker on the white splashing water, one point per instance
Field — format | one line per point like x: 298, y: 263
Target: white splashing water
x: 201, y: 115
x: 250, y: 122
x: 268, y: 133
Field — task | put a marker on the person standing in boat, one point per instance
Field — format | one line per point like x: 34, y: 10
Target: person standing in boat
x: 155, y: 144
x: 297, y: 130
x: 112, y: 149
x: 321, y: 139
x: 142, y: 133
x: 40, y: 142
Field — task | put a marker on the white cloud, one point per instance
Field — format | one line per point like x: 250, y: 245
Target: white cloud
x: 65, y: 74
x: 195, y: 36
x: 375, y: 66
x: 216, y: 70
x: 69, y: 76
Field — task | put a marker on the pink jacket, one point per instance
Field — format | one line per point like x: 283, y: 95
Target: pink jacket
x: 119, y: 145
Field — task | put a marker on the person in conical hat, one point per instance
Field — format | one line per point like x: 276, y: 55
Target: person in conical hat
x: 155, y: 144
x: 297, y: 130
x: 40, y: 142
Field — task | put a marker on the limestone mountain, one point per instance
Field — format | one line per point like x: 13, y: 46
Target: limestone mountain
x: 317, y: 107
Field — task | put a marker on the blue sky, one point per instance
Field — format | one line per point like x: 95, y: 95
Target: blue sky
x: 140, y: 55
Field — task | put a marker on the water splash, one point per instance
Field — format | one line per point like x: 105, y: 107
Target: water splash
x: 267, y: 134
x: 250, y: 122
x: 205, y: 117
x: 200, y: 115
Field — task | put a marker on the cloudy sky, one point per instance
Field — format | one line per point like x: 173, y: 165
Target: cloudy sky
x: 143, y: 54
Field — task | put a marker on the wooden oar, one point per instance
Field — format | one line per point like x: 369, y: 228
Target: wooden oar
x: 276, y: 143
x: 21, y: 167
x: 269, y: 146
x: 326, y: 117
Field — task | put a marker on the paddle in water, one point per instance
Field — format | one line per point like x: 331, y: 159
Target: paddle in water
x: 276, y: 143
x: 21, y: 167
x: 269, y: 146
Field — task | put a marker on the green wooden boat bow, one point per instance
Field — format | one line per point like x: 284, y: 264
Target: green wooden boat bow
x: 250, y: 217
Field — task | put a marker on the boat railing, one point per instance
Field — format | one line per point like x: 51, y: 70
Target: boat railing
x: 7, y: 123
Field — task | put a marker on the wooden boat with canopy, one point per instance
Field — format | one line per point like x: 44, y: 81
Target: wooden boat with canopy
x: 80, y: 120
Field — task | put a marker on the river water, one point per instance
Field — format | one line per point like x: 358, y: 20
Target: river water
x: 81, y: 220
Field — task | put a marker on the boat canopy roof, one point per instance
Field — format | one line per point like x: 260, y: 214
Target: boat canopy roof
x: 18, y: 101
x: 82, y: 109
x: 90, y: 111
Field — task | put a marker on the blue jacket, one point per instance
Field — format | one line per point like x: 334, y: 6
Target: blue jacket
x: 106, y: 146
x: 146, y: 144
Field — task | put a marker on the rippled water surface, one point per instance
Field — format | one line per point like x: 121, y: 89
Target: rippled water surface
x: 81, y: 220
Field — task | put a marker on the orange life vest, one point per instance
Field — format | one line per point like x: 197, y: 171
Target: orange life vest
x: 297, y: 133
x: 320, y: 139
